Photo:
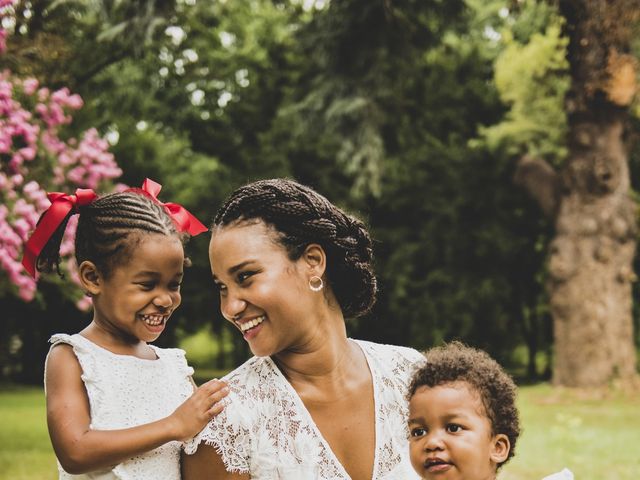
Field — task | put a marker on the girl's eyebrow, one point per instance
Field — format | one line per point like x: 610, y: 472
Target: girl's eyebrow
x: 152, y: 273
x: 147, y: 273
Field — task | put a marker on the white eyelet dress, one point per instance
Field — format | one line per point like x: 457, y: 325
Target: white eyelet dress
x: 126, y: 391
x: 266, y: 431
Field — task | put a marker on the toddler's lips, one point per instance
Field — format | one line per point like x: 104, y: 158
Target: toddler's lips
x: 437, y: 465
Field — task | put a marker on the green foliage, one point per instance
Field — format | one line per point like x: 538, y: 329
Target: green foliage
x: 408, y: 113
x: 206, y: 349
x: 532, y: 79
x: 362, y: 60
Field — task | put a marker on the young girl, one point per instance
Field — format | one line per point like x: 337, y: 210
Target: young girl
x: 118, y: 407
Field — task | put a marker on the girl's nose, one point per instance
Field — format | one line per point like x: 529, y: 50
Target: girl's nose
x: 163, y: 300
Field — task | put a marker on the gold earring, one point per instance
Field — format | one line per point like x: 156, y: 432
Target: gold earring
x: 315, y: 283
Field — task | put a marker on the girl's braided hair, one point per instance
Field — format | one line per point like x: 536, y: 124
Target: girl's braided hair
x: 108, y: 229
x: 301, y: 216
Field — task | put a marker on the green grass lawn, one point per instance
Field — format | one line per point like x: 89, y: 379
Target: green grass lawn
x: 596, y: 435
x: 25, y: 452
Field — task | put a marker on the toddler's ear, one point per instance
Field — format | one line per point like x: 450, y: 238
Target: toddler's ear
x: 90, y: 278
x: 500, y: 447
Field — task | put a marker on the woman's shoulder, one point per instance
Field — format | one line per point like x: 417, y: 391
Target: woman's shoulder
x: 254, y: 389
x: 391, y: 353
x: 257, y: 373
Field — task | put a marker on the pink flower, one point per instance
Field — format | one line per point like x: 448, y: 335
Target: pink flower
x: 84, y: 304
x: 63, y: 97
x: 27, y: 287
x: 30, y: 85
x: 3, y: 40
x: 43, y: 94
x: 17, y: 180
x: 40, y: 159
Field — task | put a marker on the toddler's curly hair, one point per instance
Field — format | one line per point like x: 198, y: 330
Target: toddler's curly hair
x: 456, y: 362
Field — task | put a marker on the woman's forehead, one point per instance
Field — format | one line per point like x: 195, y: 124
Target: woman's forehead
x: 235, y: 243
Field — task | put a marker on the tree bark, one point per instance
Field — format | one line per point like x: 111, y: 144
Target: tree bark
x: 591, y: 255
x: 590, y: 261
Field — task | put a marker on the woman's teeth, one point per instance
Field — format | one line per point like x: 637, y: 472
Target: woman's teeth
x: 153, y: 320
x: 251, y: 323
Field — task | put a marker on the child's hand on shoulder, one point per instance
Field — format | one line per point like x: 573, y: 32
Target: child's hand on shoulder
x: 191, y: 417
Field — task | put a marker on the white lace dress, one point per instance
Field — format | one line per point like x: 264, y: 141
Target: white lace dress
x: 125, y: 391
x: 266, y: 431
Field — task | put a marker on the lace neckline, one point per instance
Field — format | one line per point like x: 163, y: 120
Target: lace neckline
x: 325, y: 444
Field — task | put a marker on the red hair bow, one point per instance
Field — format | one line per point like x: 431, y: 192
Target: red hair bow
x: 61, y: 205
x: 184, y: 220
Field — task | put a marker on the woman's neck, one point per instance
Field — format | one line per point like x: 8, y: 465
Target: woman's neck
x: 327, y: 359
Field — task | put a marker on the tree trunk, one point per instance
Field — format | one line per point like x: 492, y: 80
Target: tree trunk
x: 591, y: 256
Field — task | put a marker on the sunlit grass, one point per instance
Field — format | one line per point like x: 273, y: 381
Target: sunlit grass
x: 595, y: 434
x: 25, y: 452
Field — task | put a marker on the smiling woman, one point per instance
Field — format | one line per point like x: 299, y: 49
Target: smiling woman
x: 116, y: 406
x: 312, y: 403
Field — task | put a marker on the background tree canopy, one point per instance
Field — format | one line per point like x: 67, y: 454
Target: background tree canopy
x: 409, y: 113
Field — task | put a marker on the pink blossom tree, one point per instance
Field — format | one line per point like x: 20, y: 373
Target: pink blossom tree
x: 36, y: 157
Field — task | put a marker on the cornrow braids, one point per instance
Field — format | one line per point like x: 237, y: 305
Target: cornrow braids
x: 301, y: 216
x: 107, y: 230
x: 456, y: 362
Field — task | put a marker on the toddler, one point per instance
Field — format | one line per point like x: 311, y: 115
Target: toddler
x: 463, y: 420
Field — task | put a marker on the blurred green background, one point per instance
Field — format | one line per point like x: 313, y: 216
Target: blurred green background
x: 408, y: 113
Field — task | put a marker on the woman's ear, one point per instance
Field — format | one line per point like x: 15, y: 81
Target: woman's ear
x: 315, y: 259
x: 90, y: 278
x: 500, y: 448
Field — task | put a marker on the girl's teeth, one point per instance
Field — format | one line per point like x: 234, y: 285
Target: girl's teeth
x: 251, y: 323
x: 153, y: 320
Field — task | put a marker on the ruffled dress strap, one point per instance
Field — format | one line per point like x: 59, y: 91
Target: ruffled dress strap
x: 84, y: 351
x: 177, y: 358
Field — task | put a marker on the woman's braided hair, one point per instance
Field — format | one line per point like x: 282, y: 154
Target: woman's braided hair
x: 108, y: 229
x: 301, y: 216
x: 456, y: 362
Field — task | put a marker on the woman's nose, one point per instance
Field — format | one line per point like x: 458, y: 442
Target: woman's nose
x: 232, y: 307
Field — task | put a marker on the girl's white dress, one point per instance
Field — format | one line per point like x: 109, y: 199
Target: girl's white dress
x: 266, y: 431
x: 125, y: 391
